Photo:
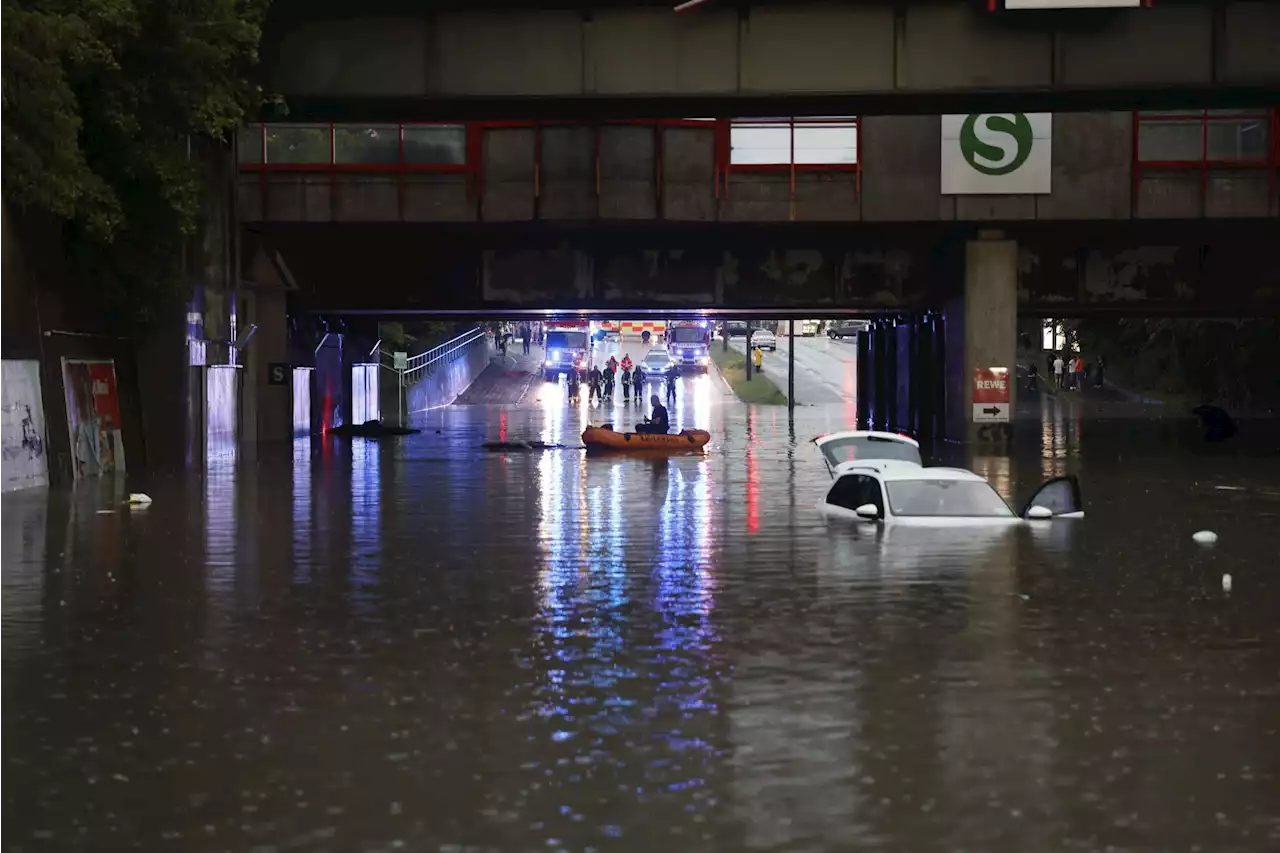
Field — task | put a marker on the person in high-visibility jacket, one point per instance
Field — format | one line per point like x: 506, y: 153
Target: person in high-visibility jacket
x: 758, y: 357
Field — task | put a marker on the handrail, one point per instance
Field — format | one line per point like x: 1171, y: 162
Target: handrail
x: 428, y: 359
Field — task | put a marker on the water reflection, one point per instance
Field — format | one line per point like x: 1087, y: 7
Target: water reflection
x: 419, y: 645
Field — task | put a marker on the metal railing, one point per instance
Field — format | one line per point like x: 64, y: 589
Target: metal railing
x: 419, y: 366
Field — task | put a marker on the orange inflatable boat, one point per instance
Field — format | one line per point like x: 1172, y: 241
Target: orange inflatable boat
x: 605, y: 438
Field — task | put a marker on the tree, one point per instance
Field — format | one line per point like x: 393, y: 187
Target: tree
x: 113, y: 110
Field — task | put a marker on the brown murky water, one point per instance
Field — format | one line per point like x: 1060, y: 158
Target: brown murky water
x: 422, y: 646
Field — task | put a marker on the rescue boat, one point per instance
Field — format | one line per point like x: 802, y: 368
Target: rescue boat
x: 606, y: 438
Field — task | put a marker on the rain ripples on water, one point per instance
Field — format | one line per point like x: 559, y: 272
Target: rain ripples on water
x: 420, y: 645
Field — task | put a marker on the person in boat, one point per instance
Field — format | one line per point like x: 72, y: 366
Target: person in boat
x: 658, y: 423
x: 594, y: 380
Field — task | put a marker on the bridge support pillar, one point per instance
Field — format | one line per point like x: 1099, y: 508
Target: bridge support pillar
x: 982, y: 331
x: 266, y: 401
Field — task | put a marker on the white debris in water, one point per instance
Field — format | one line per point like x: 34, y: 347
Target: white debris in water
x: 1229, y: 488
x: 1226, y: 583
x: 1205, y: 537
x: 138, y: 499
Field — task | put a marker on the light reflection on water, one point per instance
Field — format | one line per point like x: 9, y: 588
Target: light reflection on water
x: 366, y: 643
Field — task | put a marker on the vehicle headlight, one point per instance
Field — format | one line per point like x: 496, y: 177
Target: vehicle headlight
x: 704, y: 360
x: 550, y: 362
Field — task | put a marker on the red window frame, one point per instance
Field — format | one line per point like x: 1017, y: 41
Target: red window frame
x: 725, y: 154
x: 474, y: 170
x: 1270, y: 161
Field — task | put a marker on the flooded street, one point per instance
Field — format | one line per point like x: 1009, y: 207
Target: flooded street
x: 418, y: 645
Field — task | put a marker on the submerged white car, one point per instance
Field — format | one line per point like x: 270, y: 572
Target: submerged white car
x: 879, y: 478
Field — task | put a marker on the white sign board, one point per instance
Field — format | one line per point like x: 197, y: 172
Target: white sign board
x: 1071, y: 4
x: 997, y: 153
x: 990, y: 413
x: 400, y: 360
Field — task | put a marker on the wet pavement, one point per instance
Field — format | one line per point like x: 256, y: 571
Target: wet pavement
x: 417, y: 645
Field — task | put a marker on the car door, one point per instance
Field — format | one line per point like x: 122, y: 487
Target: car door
x: 851, y: 491
x: 1060, y: 495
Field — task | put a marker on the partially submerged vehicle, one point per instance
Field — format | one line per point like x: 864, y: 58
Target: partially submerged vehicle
x: 879, y: 477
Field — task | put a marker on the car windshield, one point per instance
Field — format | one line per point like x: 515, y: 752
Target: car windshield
x: 945, y: 498
x: 863, y: 447
x: 687, y: 335
x: 656, y: 358
x: 566, y: 340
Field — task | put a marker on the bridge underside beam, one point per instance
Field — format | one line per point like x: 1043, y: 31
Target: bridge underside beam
x: 1064, y: 271
x: 400, y: 61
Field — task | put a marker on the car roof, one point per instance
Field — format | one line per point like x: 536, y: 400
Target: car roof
x: 865, y: 433
x: 899, y: 469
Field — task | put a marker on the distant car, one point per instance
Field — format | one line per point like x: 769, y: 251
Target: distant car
x: 847, y: 329
x: 764, y: 339
x: 657, y: 361
x: 879, y: 478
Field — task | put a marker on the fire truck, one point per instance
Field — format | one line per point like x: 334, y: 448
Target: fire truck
x: 689, y: 343
x: 567, y: 347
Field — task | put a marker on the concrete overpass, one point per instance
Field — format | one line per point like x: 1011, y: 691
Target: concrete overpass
x: 418, y: 60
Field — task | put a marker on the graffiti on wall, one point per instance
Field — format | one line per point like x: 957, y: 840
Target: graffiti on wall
x: 93, y: 417
x: 24, y: 462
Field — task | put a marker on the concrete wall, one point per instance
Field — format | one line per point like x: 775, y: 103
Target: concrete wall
x: 798, y: 47
x: 443, y: 385
x: 556, y: 180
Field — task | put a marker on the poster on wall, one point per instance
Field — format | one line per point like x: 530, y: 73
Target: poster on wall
x: 93, y: 417
x: 24, y: 462
x: 997, y: 154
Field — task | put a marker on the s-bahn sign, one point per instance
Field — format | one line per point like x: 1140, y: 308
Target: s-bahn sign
x: 997, y: 153
x: 1071, y: 4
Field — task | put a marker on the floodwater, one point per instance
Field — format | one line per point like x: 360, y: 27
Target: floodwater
x: 418, y: 645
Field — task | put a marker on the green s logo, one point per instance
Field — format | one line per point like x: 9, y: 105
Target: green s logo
x: 996, y: 143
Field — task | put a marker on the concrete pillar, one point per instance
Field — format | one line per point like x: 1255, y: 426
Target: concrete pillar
x: 266, y: 409
x: 982, y: 331
x: 865, y: 388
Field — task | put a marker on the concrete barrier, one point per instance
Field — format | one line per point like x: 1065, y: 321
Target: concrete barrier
x: 442, y: 384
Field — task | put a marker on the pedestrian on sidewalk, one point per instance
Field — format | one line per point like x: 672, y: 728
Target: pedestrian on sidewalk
x: 1058, y: 366
x: 524, y: 337
x: 1079, y: 373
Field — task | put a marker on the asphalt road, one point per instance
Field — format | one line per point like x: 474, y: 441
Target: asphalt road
x: 826, y: 370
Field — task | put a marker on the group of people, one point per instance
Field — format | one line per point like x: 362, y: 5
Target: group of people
x: 601, y: 383
x: 528, y: 335
x: 1073, y: 373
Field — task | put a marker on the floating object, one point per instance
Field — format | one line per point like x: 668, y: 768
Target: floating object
x: 1229, y: 488
x: 1226, y: 583
x: 1205, y: 537
x: 138, y: 499
x: 371, y: 429
x: 507, y: 446
x: 605, y: 438
x: 106, y: 512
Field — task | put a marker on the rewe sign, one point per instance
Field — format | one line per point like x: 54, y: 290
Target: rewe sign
x: 997, y: 153
x: 990, y: 394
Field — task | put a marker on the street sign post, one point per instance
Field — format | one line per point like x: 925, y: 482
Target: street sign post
x: 990, y: 395
x: 400, y: 360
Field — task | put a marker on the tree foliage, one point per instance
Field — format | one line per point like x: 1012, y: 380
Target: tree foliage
x: 112, y: 111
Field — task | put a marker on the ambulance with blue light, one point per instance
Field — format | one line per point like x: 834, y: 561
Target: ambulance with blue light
x: 567, y: 348
x: 689, y: 344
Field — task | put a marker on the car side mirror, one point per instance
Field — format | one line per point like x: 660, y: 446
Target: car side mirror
x: 868, y: 511
x: 1040, y: 513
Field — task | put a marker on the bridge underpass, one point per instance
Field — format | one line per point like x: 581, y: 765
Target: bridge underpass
x: 945, y: 301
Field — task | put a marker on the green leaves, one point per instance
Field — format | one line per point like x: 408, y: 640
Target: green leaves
x: 114, y: 113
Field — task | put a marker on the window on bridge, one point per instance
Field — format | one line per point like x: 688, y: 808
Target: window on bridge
x: 812, y: 142
x: 1195, y: 138
x: 435, y: 144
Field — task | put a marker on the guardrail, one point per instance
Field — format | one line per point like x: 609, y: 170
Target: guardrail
x: 423, y: 364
